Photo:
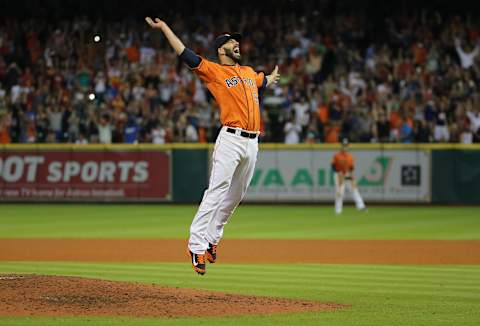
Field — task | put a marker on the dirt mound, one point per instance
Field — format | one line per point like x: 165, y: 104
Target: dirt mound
x: 38, y: 295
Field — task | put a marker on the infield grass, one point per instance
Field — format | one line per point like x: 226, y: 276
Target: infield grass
x: 248, y: 222
x: 377, y: 294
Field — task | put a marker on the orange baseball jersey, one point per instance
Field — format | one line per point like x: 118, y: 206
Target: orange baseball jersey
x: 235, y: 89
x: 343, y: 162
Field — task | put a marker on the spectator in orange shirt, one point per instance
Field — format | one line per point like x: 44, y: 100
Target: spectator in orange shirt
x: 331, y: 133
x: 5, y: 122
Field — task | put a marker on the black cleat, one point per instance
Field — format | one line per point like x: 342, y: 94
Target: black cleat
x: 198, y: 262
x: 211, y: 253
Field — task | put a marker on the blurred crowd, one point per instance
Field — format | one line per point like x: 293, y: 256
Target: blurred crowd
x: 412, y: 77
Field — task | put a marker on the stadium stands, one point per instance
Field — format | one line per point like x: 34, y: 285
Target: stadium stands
x: 411, y: 76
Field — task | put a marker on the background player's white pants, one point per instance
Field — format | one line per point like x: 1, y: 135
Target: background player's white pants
x: 233, y: 164
x: 340, y: 193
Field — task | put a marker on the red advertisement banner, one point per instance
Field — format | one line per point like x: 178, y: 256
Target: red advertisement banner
x: 107, y: 175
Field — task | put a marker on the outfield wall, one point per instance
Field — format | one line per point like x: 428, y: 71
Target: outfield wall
x: 456, y: 176
x: 178, y: 173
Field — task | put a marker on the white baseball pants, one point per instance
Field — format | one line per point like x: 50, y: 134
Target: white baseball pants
x: 233, y: 164
x: 340, y: 193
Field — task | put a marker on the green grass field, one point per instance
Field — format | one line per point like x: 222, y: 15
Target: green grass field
x: 378, y: 294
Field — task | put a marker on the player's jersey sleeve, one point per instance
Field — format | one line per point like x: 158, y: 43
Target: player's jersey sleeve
x: 259, y: 79
x: 334, y: 163
x: 334, y: 159
x: 206, y: 70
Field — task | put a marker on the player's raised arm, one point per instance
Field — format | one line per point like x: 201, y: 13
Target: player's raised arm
x: 174, y: 41
x: 273, y: 77
x: 186, y: 55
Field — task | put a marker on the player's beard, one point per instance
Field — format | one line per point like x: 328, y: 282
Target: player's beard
x: 232, y: 55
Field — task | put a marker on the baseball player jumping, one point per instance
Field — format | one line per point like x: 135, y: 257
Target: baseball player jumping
x: 235, y: 88
x: 343, y: 165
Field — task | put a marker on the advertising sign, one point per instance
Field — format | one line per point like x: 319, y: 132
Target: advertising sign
x: 87, y: 175
x: 306, y: 175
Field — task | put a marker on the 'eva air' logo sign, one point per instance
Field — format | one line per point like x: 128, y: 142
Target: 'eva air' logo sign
x: 275, y: 177
x: 375, y: 175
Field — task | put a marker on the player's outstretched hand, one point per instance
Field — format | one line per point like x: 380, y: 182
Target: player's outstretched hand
x: 274, y: 77
x: 158, y: 23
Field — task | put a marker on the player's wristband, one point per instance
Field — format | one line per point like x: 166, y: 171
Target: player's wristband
x: 264, y: 83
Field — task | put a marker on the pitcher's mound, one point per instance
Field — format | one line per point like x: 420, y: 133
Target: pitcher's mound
x: 39, y: 295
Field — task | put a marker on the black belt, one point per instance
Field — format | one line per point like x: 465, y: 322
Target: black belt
x: 245, y: 134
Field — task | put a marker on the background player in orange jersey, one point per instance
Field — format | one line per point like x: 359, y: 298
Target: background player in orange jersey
x: 236, y: 90
x: 343, y: 165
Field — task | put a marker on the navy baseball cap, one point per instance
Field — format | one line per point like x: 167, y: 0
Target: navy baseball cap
x: 222, y: 39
